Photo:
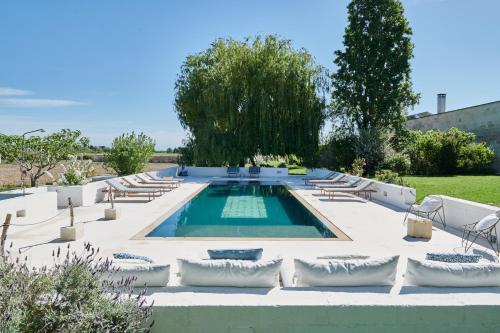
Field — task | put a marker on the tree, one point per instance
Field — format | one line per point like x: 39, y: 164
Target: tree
x: 37, y: 155
x: 259, y: 96
x: 372, y: 85
x: 130, y: 153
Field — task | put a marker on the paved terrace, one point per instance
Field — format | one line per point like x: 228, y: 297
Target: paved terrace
x: 375, y: 230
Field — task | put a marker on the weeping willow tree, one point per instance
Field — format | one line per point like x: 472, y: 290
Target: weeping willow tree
x: 259, y: 96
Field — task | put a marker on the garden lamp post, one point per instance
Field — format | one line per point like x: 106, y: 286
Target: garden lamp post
x: 21, y: 167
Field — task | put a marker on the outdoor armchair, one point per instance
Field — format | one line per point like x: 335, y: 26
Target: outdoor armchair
x: 431, y: 207
x: 485, y: 229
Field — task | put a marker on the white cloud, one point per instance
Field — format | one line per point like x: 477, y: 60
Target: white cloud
x: 37, y: 102
x: 5, y: 91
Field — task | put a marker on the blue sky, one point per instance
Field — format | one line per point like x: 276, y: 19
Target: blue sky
x: 108, y: 67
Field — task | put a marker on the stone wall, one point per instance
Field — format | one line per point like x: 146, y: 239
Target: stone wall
x: 483, y: 120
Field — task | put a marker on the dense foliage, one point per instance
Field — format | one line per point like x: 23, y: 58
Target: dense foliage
x: 40, y: 154
x: 71, y: 296
x: 259, y: 96
x: 445, y: 152
x: 130, y: 153
x: 372, y: 85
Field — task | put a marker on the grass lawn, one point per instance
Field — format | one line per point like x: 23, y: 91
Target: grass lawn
x: 484, y: 189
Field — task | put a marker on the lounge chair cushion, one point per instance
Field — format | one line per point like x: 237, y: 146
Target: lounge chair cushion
x: 344, y: 257
x: 147, y: 274
x: 229, y: 273
x: 125, y: 255
x: 343, y: 273
x: 454, y: 257
x: 440, y: 274
x: 236, y: 254
x: 486, y: 222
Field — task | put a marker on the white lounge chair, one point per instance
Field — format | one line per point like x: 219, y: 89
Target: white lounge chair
x: 133, y: 183
x: 116, y: 187
x: 153, y: 176
x: 144, y: 180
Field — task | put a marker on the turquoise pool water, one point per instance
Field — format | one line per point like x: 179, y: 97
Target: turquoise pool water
x: 243, y: 210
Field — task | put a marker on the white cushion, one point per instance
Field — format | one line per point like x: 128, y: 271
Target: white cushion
x: 486, y: 222
x: 342, y: 273
x: 344, y: 257
x: 151, y: 275
x: 429, y: 204
x: 229, y: 273
x: 442, y: 274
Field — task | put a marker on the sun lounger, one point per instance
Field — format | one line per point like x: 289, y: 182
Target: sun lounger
x: 144, y: 180
x: 133, y: 183
x: 233, y: 171
x: 117, y: 187
x: 353, y: 182
x: 340, y: 178
x: 329, y: 175
x: 153, y: 176
x: 362, y: 187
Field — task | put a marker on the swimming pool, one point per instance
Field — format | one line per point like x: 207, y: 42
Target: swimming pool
x: 243, y: 209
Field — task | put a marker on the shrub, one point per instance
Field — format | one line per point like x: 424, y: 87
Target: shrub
x: 398, y: 162
x: 390, y: 177
x: 338, y: 152
x: 358, y: 166
x: 446, y: 153
x: 475, y: 157
x: 71, y: 296
x: 76, y: 172
x: 130, y: 153
x: 371, y: 145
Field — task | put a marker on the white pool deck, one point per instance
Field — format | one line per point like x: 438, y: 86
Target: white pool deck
x: 375, y: 230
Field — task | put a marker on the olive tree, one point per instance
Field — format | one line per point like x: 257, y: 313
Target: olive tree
x: 130, y: 153
x: 261, y: 96
x: 37, y: 155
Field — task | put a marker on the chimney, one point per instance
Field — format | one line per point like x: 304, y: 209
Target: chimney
x: 441, y: 103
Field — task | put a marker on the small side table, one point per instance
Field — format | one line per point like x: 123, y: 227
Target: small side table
x: 419, y: 227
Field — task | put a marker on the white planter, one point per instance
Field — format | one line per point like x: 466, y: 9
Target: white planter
x: 111, y: 214
x: 72, y: 233
x: 81, y: 195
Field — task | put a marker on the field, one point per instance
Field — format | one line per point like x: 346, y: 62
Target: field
x: 9, y: 173
x: 484, y: 189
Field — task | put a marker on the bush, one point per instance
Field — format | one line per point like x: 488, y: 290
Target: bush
x: 390, y: 177
x: 475, y: 158
x: 71, y: 296
x: 338, y: 152
x: 398, y: 162
x: 130, y: 153
x: 358, y: 166
x: 371, y: 145
x: 446, y: 153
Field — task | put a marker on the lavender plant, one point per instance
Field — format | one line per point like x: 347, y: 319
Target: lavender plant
x: 73, y: 295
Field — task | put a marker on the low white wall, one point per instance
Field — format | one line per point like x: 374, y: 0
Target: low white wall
x: 395, y: 195
x: 81, y: 195
x: 459, y: 212
x: 39, y: 205
x: 222, y: 172
x: 335, y: 318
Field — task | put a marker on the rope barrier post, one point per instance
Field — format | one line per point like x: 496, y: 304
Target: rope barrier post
x: 71, y: 213
x: 4, y: 234
x: 111, y: 197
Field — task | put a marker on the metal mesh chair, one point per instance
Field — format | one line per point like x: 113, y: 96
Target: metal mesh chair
x: 485, y: 229
x: 432, y: 207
